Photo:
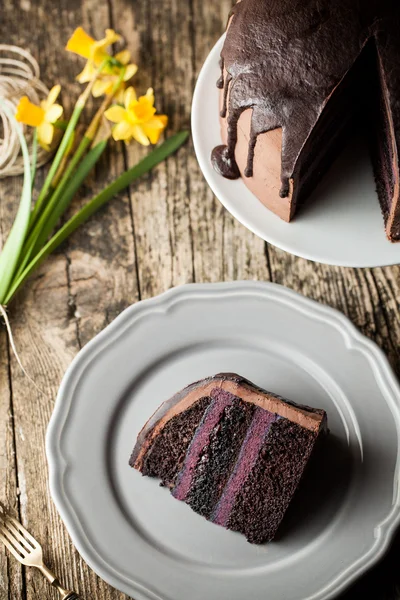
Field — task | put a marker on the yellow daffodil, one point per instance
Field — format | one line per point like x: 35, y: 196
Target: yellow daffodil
x: 137, y: 119
x: 95, y: 52
x: 83, y: 44
x: 107, y: 80
x: 42, y: 117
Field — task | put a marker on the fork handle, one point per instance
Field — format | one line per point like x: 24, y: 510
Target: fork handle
x: 53, y: 579
x: 66, y: 594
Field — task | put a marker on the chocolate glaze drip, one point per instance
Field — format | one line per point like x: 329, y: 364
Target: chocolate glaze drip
x: 223, y: 163
x: 220, y: 82
x: 283, y: 59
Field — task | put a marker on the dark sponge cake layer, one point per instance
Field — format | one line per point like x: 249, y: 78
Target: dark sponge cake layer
x: 265, y: 496
x: 218, y: 458
x: 168, y: 451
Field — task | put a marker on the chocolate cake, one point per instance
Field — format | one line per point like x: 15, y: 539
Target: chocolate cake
x: 297, y: 77
x: 233, y: 452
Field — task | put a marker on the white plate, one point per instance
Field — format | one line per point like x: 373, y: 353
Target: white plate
x: 141, y: 540
x: 341, y: 225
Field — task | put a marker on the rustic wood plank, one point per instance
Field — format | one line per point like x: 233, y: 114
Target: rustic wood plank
x: 11, y: 577
x: 75, y: 294
x: 160, y: 202
x: 168, y: 229
x: 12, y: 490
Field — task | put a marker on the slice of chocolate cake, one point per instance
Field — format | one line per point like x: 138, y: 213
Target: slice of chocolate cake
x: 233, y: 452
x: 297, y: 77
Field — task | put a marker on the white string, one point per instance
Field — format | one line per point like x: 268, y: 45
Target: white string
x: 19, y: 76
x: 13, y: 347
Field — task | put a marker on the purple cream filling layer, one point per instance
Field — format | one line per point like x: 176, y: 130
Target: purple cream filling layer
x: 221, y: 400
x: 253, y: 442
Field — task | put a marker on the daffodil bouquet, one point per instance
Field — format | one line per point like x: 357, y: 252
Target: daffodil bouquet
x: 122, y: 115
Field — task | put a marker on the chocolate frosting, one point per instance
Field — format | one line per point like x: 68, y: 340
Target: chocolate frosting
x: 284, y: 59
x: 313, y: 419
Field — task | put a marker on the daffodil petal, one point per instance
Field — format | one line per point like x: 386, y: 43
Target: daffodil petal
x: 98, y: 50
x: 80, y: 43
x: 129, y: 96
x: 123, y: 57
x: 122, y: 131
x: 111, y: 37
x: 87, y: 74
x: 150, y: 95
x: 157, y: 122
x: 45, y: 133
x: 119, y: 96
x: 139, y: 135
x: 53, y: 113
x: 154, y: 128
x: 29, y: 113
x: 116, y: 114
x: 130, y: 71
x: 100, y: 87
x: 53, y: 95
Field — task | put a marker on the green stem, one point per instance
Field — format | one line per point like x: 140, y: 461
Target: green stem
x: 34, y: 157
x: 79, y: 106
x: 59, y: 202
x: 11, y: 251
x: 154, y: 158
x: 54, y: 207
x: 55, y: 164
x: 40, y: 230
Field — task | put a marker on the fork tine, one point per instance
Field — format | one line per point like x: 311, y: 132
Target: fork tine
x: 13, y: 546
x: 8, y: 524
x: 23, y: 531
x: 10, y: 547
x: 20, y: 528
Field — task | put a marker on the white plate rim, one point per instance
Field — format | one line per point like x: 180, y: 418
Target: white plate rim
x: 251, y: 224
x: 385, y: 530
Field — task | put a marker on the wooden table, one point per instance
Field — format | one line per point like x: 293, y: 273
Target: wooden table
x: 167, y: 230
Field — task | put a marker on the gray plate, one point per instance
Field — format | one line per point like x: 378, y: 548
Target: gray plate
x: 145, y: 543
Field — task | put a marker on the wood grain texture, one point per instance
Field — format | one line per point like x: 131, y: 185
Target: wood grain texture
x: 168, y: 229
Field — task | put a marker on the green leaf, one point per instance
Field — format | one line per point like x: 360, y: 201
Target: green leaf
x: 41, y: 201
x: 60, y: 200
x: 61, y: 124
x: 15, y: 241
x: 154, y: 158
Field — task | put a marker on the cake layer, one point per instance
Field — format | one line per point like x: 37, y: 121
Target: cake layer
x: 231, y: 460
x: 169, y: 451
x: 211, y: 472
x: 260, y: 505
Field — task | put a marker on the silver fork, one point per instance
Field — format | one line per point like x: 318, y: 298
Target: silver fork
x: 27, y: 550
